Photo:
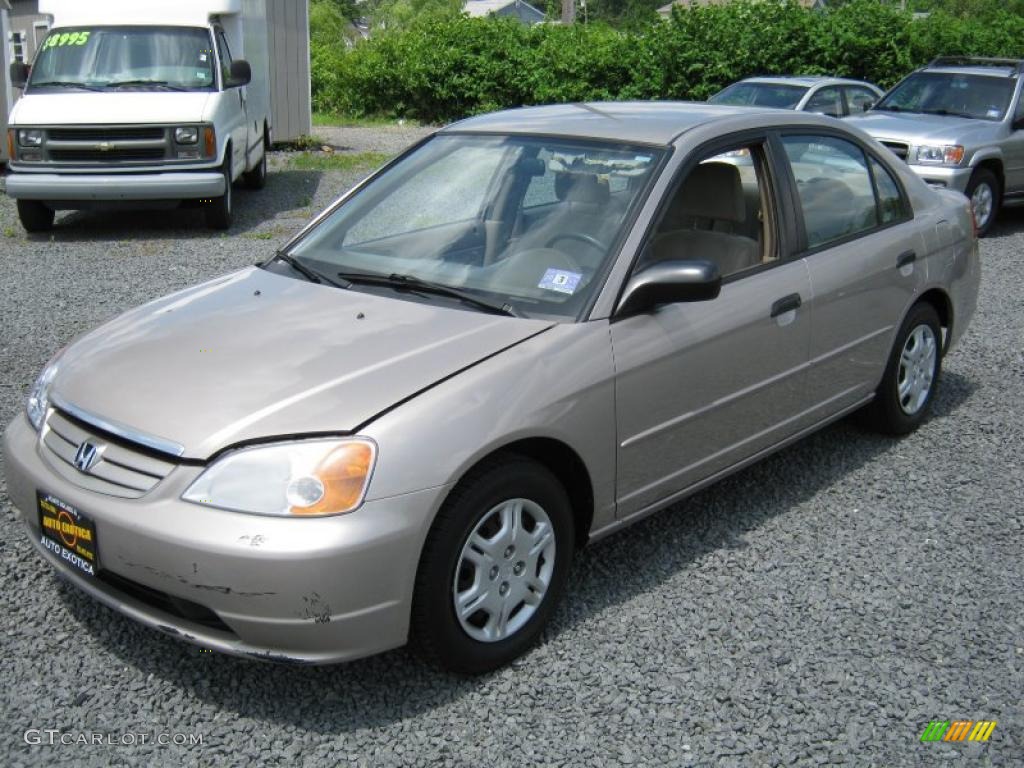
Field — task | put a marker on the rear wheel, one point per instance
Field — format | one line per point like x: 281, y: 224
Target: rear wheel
x: 219, y: 211
x: 35, y: 217
x: 905, y: 395
x: 985, y: 194
x: 493, y: 567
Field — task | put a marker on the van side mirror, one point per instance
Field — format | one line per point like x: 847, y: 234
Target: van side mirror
x: 670, y: 282
x: 241, y: 74
x: 19, y: 74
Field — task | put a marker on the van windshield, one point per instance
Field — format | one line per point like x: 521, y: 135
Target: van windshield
x: 169, y: 58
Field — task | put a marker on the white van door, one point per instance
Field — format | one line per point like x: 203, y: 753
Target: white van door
x: 234, y: 105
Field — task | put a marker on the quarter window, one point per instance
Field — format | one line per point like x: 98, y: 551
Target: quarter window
x: 225, y: 59
x: 835, y: 188
x: 890, y: 202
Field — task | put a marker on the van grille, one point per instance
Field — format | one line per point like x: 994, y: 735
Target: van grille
x: 106, y: 134
x: 898, y: 148
x: 98, y: 156
x: 121, y: 470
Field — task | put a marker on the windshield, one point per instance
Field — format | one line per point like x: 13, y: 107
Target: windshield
x: 524, y: 222
x: 760, y: 95
x: 983, y: 97
x: 121, y: 57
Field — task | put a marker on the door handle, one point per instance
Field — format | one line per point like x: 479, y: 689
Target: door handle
x: 905, y: 258
x: 786, y: 304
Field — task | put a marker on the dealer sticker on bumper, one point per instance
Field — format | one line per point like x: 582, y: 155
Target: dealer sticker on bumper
x: 67, y: 533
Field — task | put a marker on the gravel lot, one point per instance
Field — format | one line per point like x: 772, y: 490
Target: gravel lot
x: 817, y: 609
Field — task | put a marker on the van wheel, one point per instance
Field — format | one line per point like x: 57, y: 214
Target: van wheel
x: 35, y: 217
x: 219, y: 210
x: 257, y: 177
x: 905, y: 395
x: 984, y: 193
x: 493, y: 567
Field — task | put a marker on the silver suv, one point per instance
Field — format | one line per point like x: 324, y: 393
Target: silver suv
x: 957, y: 122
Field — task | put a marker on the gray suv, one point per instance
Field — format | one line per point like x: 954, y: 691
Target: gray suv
x: 958, y: 123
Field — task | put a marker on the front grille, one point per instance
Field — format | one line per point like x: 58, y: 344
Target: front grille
x: 126, y: 154
x: 123, y: 469
x: 161, y: 601
x: 106, y: 134
x: 898, y: 148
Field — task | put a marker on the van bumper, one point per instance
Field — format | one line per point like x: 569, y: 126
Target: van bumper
x: 62, y: 187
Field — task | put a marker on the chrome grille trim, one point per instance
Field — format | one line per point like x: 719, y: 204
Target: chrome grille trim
x: 898, y: 148
x: 120, y: 471
x: 154, y: 443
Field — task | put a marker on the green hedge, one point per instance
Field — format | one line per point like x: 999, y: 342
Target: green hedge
x: 441, y: 69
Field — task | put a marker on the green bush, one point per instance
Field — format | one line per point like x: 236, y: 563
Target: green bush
x: 444, y: 67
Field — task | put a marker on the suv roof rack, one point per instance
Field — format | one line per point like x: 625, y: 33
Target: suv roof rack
x: 1017, y: 65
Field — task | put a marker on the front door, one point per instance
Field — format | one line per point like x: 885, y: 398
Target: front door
x: 234, y: 103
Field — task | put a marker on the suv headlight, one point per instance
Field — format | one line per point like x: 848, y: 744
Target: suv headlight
x: 31, y: 137
x: 945, y: 155
x: 299, y: 479
x: 39, y: 396
x: 186, y: 135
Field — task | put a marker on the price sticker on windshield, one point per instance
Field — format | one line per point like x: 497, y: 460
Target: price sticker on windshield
x: 60, y: 39
x: 560, y: 280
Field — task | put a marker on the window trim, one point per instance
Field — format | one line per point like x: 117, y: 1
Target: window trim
x: 797, y: 208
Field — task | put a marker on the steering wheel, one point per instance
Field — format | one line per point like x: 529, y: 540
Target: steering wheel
x: 591, y: 241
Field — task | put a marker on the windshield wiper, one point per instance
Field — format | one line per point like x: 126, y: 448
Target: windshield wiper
x: 410, y: 283
x: 160, y: 83
x: 885, y: 108
x: 946, y: 113
x: 310, y: 274
x: 63, y: 84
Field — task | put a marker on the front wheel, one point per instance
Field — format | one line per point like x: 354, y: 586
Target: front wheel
x: 35, y: 217
x: 220, y: 210
x: 984, y: 191
x: 257, y: 177
x: 905, y: 395
x: 493, y: 567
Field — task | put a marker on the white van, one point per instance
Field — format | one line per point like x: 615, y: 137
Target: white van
x: 142, y: 105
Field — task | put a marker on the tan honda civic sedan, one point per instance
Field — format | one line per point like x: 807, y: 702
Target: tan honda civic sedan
x: 528, y: 331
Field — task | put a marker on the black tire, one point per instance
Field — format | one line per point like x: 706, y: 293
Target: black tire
x: 436, y: 633
x: 983, y: 179
x: 888, y: 412
x: 220, y: 210
x: 35, y: 217
x: 257, y: 177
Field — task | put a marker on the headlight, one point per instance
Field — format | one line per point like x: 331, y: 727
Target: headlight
x: 186, y: 135
x: 301, y: 479
x: 946, y: 155
x: 30, y: 138
x: 39, y: 395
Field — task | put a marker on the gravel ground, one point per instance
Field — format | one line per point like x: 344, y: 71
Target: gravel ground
x: 817, y: 609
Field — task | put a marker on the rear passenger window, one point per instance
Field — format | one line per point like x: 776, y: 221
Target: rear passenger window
x: 890, y: 201
x: 836, y: 193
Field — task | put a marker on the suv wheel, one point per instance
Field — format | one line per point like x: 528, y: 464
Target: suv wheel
x: 983, y: 190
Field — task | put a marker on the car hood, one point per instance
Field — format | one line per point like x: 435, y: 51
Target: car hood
x: 921, y: 129
x: 255, y: 355
x: 117, y: 108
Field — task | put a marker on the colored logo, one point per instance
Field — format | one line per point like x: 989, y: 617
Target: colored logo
x: 958, y: 730
x: 86, y: 456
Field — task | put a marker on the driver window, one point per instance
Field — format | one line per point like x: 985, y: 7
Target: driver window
x: 827, y: 101
x: 721, y: 213
x: 225, y: 59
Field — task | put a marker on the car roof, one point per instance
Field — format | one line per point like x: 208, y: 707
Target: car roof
x: 645, y: 122
x: 1002, y: 72
x: 804, y: 80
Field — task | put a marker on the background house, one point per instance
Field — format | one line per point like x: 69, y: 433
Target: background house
x: 288, y: 43
x: 516, y: 9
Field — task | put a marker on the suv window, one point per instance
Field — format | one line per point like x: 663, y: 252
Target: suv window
x: 858, y: 99
x: 721, y: 212
x: 836, y: 192
x: 827, y: 101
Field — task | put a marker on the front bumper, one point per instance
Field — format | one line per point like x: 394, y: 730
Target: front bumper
x: 316, y: 590
x: 950, y: 178
x: 181, y: 185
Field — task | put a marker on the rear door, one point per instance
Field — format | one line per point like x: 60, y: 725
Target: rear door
x: 702, y: 386
x: 864, y: 258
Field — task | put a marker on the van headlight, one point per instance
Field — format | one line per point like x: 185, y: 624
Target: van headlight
x: 186, y: 135
x: 39, y: 396
x: 944, y: 155
x: 32, y: 137
x: 307, y: 478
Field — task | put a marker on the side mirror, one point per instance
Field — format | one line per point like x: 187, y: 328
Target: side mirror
x: 19, y: 74
x: 670, y: 282
x: 867, y: 105
x: 241, y: 74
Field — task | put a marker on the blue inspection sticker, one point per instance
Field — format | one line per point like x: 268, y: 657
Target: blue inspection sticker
x: 560, y: 280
